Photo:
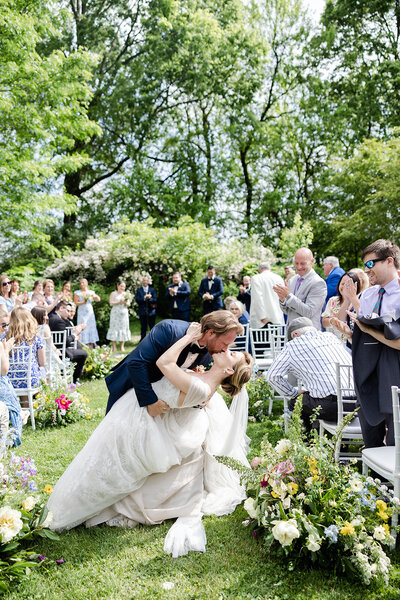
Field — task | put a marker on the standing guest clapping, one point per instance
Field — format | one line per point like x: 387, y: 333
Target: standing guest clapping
x: 84, y: 299
x: 211, y: 290
x: 50, y: 297
x: 146, y: 299
x: 178, y: 293
x: 37, y: 289
x: 244, y: 295
x: 66, y: 291
x: 119, y: 330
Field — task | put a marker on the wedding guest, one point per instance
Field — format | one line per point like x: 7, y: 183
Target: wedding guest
x: 59, y: 322
x: 240, y: 312
x: 289, y: 272
x: 348, y: 290
x: 4, y: 322
x: 119, y: 330
x: 14, y: 289
x: 146, y: 298
x: 84, y: 298
x: 53, y: 354
x: 50, y: 297
x: 228, y: 301
x: 363, y: 277
x: 37, y: 289
x: 244, y: 294
x: 36, y: 300
x: 66, y: 292
x: 211, y: 290
x: 5, y: 296
x: 178, y: 293
x: 333, y: 273
x: 310, y: 356
x: 25, y: 331
x: 8, y: 395
x: 304, y: 295
x: 265, y: 308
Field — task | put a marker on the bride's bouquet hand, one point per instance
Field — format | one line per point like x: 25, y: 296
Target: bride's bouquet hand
x: 194, y: 332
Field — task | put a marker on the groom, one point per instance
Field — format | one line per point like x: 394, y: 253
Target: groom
x: 139, y: 370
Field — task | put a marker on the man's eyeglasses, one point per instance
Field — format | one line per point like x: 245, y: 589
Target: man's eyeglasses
x: 4, y: 325
x: 371, y: 263
x: 6, y: 283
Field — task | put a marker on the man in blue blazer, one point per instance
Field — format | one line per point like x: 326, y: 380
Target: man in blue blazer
x: 178, y: 294
x: 139, y: 370
x: 333, y: 272
x: 211, y: 290
x: 146, y: 299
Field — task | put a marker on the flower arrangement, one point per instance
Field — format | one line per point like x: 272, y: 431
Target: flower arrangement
x: 260, y: 394
x: 58, y: 405
x: 128, y: 297
x: 307, y: 506
x: 98, y: 363
x: 23, y: 517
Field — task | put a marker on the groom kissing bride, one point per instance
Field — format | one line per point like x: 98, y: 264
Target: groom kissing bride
x: 152, y: 456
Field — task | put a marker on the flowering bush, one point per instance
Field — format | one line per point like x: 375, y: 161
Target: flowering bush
x: 58, y: 404
x: 307, y: 506
x: 98, y: 363
x: 23, y: 517
x: 260, y: 393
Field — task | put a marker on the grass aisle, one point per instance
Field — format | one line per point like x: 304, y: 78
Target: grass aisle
x: 118, y: 564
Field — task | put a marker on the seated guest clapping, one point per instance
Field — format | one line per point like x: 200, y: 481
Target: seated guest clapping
x: 59, y: 322
x: 310, y: 356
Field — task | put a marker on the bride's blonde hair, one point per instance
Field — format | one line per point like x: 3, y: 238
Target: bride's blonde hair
x: 22, y: 326
x: 241, y: 375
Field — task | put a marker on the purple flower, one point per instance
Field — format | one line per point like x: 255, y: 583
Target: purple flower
x: 60, y: 561
x: 41, y: 557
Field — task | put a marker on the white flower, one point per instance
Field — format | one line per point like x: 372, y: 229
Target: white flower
x: 332, y: 503
x: 359, y: 547
x: 379, y: 533
x: 257, y: 404
x: 301, y: 496
x: 252, y: 419
x: 283, y: 446
x: 29, y: 503
x: 249, y: 508
x: 10, y: 523
x: 286, y: 502
x: 285, y: 532
x: 356, y: 485
x: 245, y: 523
x: 313, y: 543
x: 358, y: 521
x: 48, y: 520
x: 309, y: 482
x: 168, y: 585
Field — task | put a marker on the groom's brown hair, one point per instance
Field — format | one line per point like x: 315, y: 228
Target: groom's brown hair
x: 221, y: 321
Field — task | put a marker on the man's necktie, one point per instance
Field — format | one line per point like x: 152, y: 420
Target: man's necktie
x: 298, y: 284
x: 378, y: 304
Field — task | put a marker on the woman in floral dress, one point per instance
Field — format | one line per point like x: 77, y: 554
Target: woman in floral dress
x: 84, y: 299
x: 119, y: 317
x: 347, y: 299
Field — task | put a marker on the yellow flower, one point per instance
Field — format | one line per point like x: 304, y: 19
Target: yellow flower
x: 386, y: 528
x: 292, y: 488
x: 35, y: 404
x: 89, y: 368
x: 348, y: 529
x: 383, y: 515
x: 48, y: 489
x: 381, y: 505
x: 274, y: 494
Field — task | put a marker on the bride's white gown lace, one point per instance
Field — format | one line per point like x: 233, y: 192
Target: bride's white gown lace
x: 136, y: 469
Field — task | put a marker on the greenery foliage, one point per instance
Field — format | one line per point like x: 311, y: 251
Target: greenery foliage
x: 260, y: 394
x: 58, y: 404
x: 98, y: 363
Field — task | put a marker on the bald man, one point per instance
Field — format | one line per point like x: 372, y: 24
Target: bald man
x: 305, y: 294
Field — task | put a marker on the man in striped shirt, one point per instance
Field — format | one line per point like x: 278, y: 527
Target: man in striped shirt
x: 310, y: 357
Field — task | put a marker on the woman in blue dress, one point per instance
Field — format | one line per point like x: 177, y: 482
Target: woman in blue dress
x: 5, y: 294
x: 84, y: 299
x: 8, y: 395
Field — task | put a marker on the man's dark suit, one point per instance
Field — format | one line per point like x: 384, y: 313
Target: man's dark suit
x: 146, y: 309
x: 216, y: 290
x: 376, y: 369
x: 182, y: 300
x: 76, y: 355
x: 139, y: 370
x: 245, y: 298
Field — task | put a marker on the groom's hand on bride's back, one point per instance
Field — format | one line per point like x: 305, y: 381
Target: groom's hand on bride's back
x: 157, y: 408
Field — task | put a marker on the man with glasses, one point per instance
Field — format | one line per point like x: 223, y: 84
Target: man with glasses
x: 376, y: 360
x: 59, y: 322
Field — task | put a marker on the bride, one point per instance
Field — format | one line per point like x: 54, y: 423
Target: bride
x: 140, y: 469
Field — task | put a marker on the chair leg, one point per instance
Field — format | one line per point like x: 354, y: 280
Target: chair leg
x: 364, y: 468
x: 285, y: 413
x: 395, y: 516
x: 31, y: 411
x: 337, y: 449
x: 271, y: 402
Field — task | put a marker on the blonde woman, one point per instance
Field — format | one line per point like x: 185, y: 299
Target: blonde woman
x: 136, y: 468
x: 50, y: 297
x: 24, y: 329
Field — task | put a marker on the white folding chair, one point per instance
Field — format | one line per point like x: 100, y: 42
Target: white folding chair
x: 351, y: 434
x: 60, y: 341
x: 20, y: 369
x: 242, y: 341
x: 278, y: 338
x: 261, y: 348
x: 386, y: 459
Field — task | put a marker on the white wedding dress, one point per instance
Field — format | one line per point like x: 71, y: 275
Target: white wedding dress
x: 137, y: 469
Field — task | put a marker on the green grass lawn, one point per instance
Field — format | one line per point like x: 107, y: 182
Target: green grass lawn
x: 118, y: 564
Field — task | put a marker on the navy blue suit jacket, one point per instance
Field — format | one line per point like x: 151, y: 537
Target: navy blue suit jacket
x: 331, y: 282
x: 245, y: 299
x: 145, y: 306
x: 139, y: 370
x: 217, y: 289
x: 182, y: 297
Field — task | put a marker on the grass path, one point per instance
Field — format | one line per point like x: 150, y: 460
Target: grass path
x: 116, y: 564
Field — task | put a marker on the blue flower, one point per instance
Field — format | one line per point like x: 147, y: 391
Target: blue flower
x: 331, y: 533
x: 33, y: 486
